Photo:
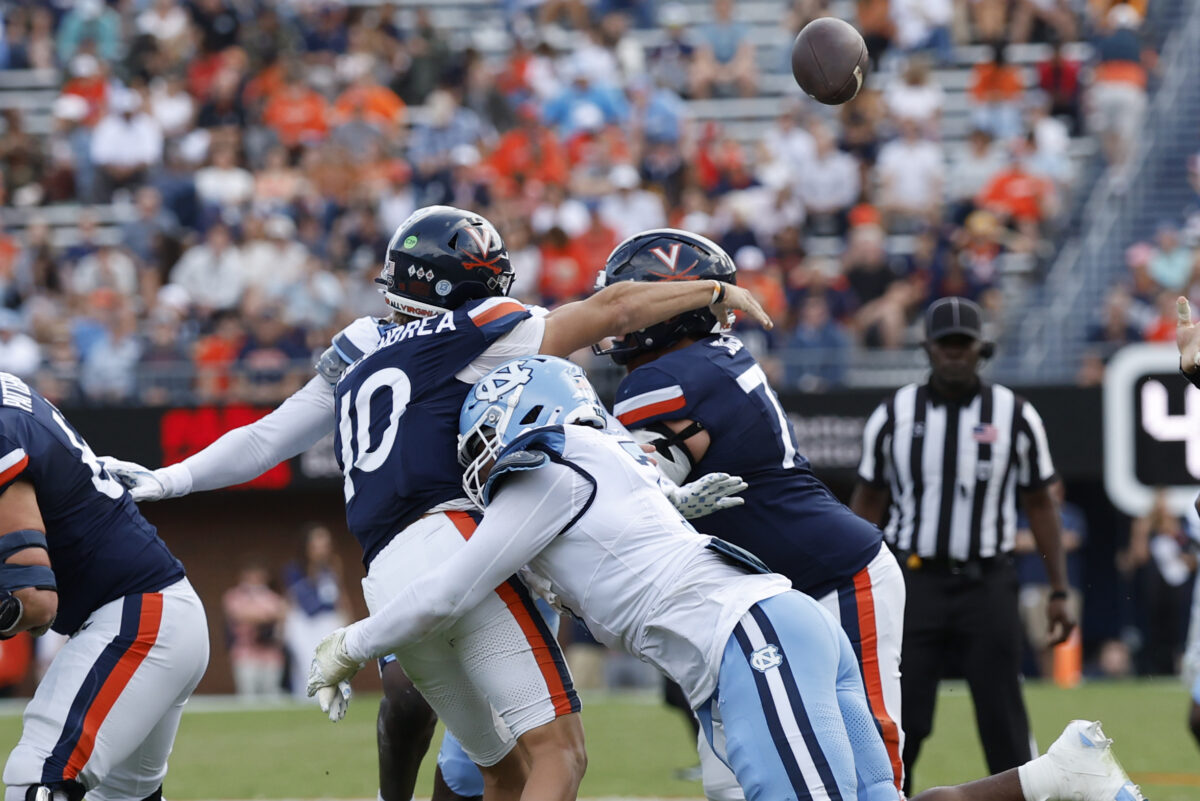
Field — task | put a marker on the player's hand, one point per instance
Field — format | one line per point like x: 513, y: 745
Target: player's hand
x: 142, y: 483
x: 1059, y: 622
x: 710, y: 493
x: 331, y: 664
x: 335, y: 700
x: 740, y: 299
x: 1187, y: 336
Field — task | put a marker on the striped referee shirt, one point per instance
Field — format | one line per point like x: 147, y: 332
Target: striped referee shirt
x: 953, y: 469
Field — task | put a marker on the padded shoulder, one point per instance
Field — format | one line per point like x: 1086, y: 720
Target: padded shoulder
x: 528, y: 452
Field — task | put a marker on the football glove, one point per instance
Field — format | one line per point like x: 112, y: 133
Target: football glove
x: 335, y: 700
x: 710, y: 493
x: 331, y: 664
x: 143, y: 483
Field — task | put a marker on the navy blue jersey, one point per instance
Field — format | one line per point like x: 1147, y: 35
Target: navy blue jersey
x: 101, y: 548
x: 790, y: 519
x: 397, y: 411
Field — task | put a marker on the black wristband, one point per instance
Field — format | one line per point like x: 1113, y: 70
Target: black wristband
x: 1058, y: 595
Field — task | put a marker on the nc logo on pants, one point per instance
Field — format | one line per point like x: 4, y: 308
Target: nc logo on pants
x: 766, y: 658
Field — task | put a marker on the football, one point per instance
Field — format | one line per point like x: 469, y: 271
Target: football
x: 829, y: 60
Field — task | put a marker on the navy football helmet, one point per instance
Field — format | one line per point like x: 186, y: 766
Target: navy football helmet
x: 441, y: 257
x: 666, y: 254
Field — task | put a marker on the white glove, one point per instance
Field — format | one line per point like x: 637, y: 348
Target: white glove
x: 331, y: 664
x: 707, y: 494
x: 145, y: 484
x: 335, y: 700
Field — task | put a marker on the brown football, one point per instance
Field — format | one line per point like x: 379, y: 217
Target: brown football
x: 829, y: 60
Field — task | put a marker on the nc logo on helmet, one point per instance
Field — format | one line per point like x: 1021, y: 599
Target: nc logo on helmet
x: 500, y: 383
x: 766, y: 658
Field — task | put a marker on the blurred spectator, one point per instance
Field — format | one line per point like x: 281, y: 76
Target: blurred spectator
x: 1035, y: 585
x: 378, y: 105
x: 318, y: 603
x: 21, y: 160
x: 829, y: 186
x: 162, y: 362
x: 630, y: 209
x: 419, y: 59
x: 267, y: 363
x: 820, y: 357
x: 295, y: 112
x: 1158, y: 554
x: 563, y: 276
x: 254, y: 614
x: 1114, y: 330
x: 1172, y: 263
x: 996, y: 91
x: 724, y: 60
x: 106, y: 268
x: 447, y: 126
x: 107, y: 373
x: 657, y: 115
x: 528, y: 151
x: 1049, y: 142
x: 223, y: 109
x: 277, y: 184
x: 224, y: 186
x: 215, y: 354
x: 217, y: 23
x: 526, y: 260
x: 272, y: 263
x: 1163, y: 328
x: 883, y: 298
x: 212, y: 272
x: 971, y: 171
x: 924, y: 25
x: 1042, y: 19
x: 762, y: 279
x: 670, y: 61
x: 585, y: 106
x: 93, y: 23
x: 19, y: 353
x: 874, y: 23
x: 910, y: 173
x: 70, y: 174
x: 126, y: 144
x: 787, y: 145
x: 917, y: 97
x: 88, y: 240
x: 1116, y: 99
x: 315, y: 300
x: 88, y: 81
x: 1015, y: 194
x: 1058, y: 77
x: 144, y: 236
x: 168, y: 24
x: 171, y: 105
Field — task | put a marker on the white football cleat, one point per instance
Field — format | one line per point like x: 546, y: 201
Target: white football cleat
x: 1084, y: 767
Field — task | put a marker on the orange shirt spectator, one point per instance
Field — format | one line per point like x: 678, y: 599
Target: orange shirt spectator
x: 1015, y: 193
x: 297, y: 114
x: 214, y: 356
x: 264, y: 85
x: 563, y: 276
x: 380, y: 106
x: 592, y: 247
x: 93, y: 89
x: 996, y: 83
x: 531, y: 151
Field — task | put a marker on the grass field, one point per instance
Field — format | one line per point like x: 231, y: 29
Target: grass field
x: 635, y: 745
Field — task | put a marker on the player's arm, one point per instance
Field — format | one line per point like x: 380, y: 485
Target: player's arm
x: 239, y: 455
x: 28, y: 594
x: 871, y: 496
x: 1187, y: 339
x: 530, y: 509
x: 629, y: 306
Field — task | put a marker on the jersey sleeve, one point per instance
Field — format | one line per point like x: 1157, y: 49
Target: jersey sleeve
x: 525, y: 517
x: 1035, y: 468
x: 495, y: 317
x: 524, y: 338
x: 348, y: 346
x: 873, y: 467
x: 12, y: 463
x: 650, y: 394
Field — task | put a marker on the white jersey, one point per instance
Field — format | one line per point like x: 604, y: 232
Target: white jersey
x: 591, y: 522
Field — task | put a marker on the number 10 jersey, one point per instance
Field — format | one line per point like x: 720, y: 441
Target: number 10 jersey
x: 397, y: 413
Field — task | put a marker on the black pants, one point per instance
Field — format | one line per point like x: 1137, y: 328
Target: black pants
x: 969, y: 619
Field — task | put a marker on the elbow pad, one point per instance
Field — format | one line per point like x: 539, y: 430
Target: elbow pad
x: 673, y: 458
x: 19, y: 577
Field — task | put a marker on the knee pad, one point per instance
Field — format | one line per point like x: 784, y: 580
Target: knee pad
x: 56, y: 791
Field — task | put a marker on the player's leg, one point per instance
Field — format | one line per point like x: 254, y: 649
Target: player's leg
x: 988, y: 624
x: 925, y: 620
x: 874, y: 761
x: 511, y: 654
x: 870, y: 609
x: 457, y: 778
x: 107, y: 694
x: 403, y: 732
x: 777, y: 703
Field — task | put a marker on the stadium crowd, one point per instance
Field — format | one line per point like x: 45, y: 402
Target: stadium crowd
x: 263, y: 153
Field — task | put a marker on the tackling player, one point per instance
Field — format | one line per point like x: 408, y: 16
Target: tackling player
x: 80, y: 559
x: 703, y: 402
x: 768, y: 671
x: 445, y: 277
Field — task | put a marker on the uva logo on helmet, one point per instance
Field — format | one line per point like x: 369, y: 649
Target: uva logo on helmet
x: 486, y: 238
x: 502, y: 381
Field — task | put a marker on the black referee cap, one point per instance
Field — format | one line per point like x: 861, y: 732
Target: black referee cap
x: 948, y: 316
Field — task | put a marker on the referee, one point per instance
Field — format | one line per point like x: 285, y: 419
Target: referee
x: 950, y: 456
